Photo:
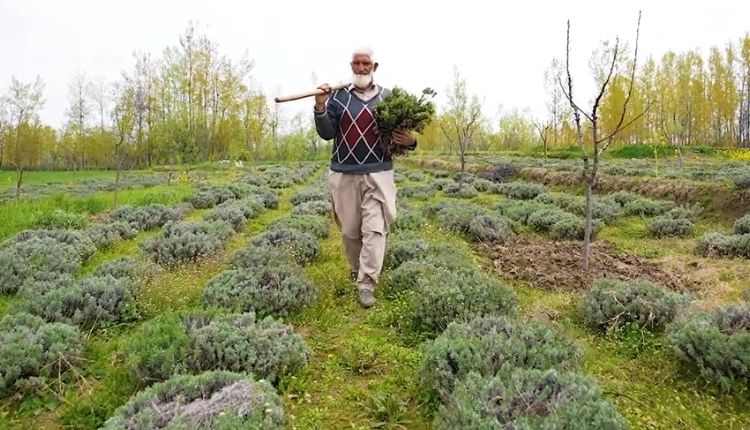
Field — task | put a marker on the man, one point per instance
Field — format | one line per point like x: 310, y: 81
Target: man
x: 360, y: 178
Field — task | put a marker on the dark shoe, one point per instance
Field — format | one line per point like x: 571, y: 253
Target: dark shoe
x: 353, y: 275
x: 366, y: 297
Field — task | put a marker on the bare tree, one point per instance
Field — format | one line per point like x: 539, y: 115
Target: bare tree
x: 123, y: 116
x: 79, y: 111
x: 22, y: 102
x: 461, y: 120
x: 99, y: 93
x: 4, y: 129
x: 544, y: 129
x: 600, y: 139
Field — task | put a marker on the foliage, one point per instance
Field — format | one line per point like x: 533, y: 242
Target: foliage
x: 104, y: 235
x: 40, y: 259
x: 489, y: 228
x: 716, y: 343
x: 722, y: 245
x: 301, y: 245
x: 402, y: 248
x: 526, y: 399
x: 666, y: 226
x: 211, y: 400
x: 489, y: 346
x: 189, y: 342
x: 75, y: 238
x: 611, y: 304
x: 400, y: 110
x: 29, y: 347
x: 461, y: 190
x: 179, y: 242
x: 61, y: 219
x: 313, y: 224
x: 145, y: 218
x: 742, y: 225
x: 521, y: 190
x: 276, y: 289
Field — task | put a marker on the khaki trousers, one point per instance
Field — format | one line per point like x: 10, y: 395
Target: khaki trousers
x: 364, y: 208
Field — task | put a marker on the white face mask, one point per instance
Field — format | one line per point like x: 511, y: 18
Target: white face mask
x: 361, y: 81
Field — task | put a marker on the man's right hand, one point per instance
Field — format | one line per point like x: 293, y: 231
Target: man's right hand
x: 320, y: 99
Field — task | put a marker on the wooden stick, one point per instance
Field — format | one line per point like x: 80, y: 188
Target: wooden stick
x: 290, y: 97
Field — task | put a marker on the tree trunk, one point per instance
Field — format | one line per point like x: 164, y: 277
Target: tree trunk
x: 18, y: 182
x: 589, y: 222
x: 117, y: 184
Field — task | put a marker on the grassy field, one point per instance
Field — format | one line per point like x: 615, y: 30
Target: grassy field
x: 363, y: 370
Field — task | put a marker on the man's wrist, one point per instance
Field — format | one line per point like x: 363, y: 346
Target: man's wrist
x: 319, y: 108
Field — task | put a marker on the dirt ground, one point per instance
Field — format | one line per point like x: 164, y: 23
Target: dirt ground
x: 556, y: 265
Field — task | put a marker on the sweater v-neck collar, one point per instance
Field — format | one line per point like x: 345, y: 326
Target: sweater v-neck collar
x: 353, y: 93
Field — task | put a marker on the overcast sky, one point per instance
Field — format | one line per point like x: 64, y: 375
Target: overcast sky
x: 502, y: 53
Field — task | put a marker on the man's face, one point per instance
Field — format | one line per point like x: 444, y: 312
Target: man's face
x: 362, y: 65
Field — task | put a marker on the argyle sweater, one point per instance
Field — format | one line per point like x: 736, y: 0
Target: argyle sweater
x: 350, y: 122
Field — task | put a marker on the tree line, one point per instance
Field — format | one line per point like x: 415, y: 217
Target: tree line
x: 191, y: 104
x: 679, y: 99
x: 195, y: 104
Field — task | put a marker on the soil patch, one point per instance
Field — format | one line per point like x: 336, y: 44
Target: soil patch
x: 556, y: 265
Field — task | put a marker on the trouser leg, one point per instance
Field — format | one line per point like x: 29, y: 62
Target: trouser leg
x: 346, y: 200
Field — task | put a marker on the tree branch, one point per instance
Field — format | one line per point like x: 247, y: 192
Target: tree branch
x: 576, y: 110
x: 629, y: 123
x: 619, y: 127
x: 609, y: 77
x: 570, y: 100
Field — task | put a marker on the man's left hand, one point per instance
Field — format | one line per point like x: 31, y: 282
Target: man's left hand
x: 403, y: 138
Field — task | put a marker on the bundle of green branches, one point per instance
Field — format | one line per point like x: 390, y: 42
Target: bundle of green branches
x: 403, y: 111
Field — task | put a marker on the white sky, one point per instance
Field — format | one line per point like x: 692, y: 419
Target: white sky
x: 502, y: 53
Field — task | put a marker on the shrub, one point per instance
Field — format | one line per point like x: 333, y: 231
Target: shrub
x: 457, y: 217
x: 742, y: 225
x: 612, y: 304
x: 303, y: 247
x: 489, y: 228
x: 310, y: 194
x: 29, y: 347
x: 317, y: 207
x: 266, y: 348
x: 500, y: 172
x: 212, y: 400
x: 624, y: 197
x: 419, y: 192
x: 121, y: 267
x: 545, y: 219
x: 571, y: 228
x: 267, y: 196
x: 522, y: 190
x: 75, y: 238
x: 93, y: 302
x: 461, y: 190
x: 415, y: 176
x: 403, y: 248
x: 408, y: 220
x: 489, y: 346
x: 179, y: 242
x: 157, y: 349
x: 278, y: 290
x: 721, y: 245
x: 36, y: 260
x: 519, y: 211
x: 440, y: 184
x: 104, y: 235
x: 440, y: 173
x: 208, y: 197
x: 742, y: 182
x: 716, y: 343
x: 679, y: 212
x: 230, y: 214
x: 316, y: 225
x: 258, y: 257
x: 646, y: 207
x: 146, y: 217
x: 59, y: 218
x: 181, y: 342
x: 666, y: 226
x: 445, y: 296
x: 485, y: 186
x: 527, y: 399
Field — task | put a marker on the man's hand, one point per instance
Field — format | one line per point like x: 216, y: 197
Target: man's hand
x: 320, y: 99
x: 403, y: 138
